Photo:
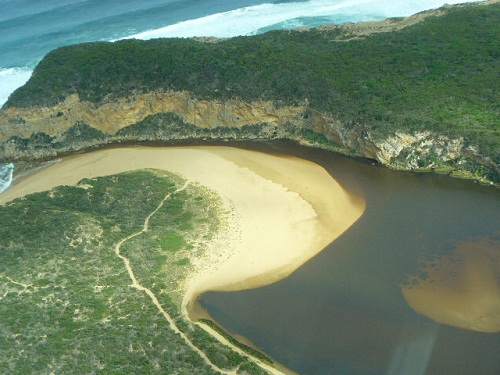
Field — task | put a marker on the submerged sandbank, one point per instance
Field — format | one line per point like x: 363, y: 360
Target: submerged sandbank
x: 461, y: 289
x: 282, y: 210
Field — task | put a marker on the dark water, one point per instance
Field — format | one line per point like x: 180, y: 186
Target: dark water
x: 343, y: 311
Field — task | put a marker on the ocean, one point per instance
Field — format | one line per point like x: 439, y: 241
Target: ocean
x: 6, y: 171
x: 29, y: 29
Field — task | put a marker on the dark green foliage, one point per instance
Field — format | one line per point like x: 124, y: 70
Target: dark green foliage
x: 158, y: 126
x: 82, y: 132
x: 441, y: 74
x: 220, y: 355
x: 67, y: 305
x: 172, y: 241
x: 312, y: 136
x: 35, y: 141
x: 107, y: 195
x: 75, y: 137
x: 168, y: 126
x: 250, y: 368
x: 182, y: 262
x: 245, y: 348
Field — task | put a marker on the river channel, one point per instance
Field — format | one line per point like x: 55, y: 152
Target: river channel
x: 344, y: 311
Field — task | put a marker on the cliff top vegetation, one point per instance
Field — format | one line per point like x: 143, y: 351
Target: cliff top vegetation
x: 441, y: 74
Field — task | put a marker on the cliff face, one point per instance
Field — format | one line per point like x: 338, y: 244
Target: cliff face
x: 110, y: 117
x: 393, y: 105
x: 44, y: 132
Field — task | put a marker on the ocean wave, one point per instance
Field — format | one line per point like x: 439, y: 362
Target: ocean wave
x: 247, y: 20
x: 11, y: 79
x: 6, y: 172
x: 111, y: 21
x: 278, y: 15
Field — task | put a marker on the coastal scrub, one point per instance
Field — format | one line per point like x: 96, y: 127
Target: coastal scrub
x: 68, y: 303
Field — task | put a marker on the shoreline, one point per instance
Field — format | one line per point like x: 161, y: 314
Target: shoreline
x: 233, y: 143
x: 300, y: 194
x: 281, y: 210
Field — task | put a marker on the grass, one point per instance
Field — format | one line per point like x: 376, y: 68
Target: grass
x: 172, y: 241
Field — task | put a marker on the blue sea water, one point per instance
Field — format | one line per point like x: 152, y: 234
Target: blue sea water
x: 29, y: 29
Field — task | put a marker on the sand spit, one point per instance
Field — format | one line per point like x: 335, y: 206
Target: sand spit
x: 282, y: 210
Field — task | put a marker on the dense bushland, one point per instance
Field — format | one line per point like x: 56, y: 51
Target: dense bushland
x: 441, y: 74
x: 67, y: 303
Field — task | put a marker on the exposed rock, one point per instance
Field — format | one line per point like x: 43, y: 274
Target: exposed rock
x: 113, y: 116
x: 74, y: 125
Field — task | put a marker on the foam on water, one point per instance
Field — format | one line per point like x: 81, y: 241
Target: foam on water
x: 11, y: 79
x: 248, y: 20
x: 264, y: 17
x: 6, y: 171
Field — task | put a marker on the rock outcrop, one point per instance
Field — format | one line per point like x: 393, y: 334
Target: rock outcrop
x: 73, y: 125
x: 110, y: 117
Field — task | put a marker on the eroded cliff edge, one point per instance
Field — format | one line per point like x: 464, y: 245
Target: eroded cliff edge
x: 384, y: 116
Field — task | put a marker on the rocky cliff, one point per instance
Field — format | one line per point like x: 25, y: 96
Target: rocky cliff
x: 162, y: 116
x: 413, y: 94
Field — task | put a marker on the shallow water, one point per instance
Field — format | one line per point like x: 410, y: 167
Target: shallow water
x: 343, y: 312
x: 6, y: 171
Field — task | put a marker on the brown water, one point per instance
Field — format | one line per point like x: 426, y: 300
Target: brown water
x: 344, y: 311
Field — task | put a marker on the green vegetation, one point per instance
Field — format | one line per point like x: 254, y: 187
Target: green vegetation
x: 159, y: 125
x: 253, y: 352
x: 168, y: 126
x: 439, y: 75
x: 172, y: 241
x: 81, y: 132
x: 67, y: 301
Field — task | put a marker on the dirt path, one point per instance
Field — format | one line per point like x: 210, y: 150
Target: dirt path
x: 223, y: 340
x: 151, y: 295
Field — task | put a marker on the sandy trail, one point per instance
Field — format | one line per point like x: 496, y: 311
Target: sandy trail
x: 165, y: 314
x: 151, y: 295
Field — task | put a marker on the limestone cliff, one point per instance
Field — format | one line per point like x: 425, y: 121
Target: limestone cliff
x: 113, y: 116
x: 72, y: 125
x: 413, y: 94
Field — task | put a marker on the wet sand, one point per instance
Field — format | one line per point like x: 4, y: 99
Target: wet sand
x: 282, y: 210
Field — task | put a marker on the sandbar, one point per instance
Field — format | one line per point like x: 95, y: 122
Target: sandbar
x: 461, y: 289
x: 283, y: 210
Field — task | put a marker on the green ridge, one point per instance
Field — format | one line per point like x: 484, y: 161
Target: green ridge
x: 441, y: 74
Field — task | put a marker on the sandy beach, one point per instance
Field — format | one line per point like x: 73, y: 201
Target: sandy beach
x: 283, y: 210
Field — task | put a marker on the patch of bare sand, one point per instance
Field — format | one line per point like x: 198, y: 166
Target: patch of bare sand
x: 291, y: 210
x: 283, y: 210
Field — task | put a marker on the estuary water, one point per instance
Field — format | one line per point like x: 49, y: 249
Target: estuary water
x: 345, y: 312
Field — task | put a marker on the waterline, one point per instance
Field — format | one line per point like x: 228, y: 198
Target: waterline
x: 6, y: 172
